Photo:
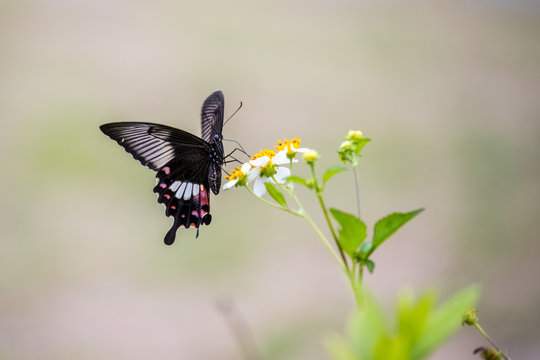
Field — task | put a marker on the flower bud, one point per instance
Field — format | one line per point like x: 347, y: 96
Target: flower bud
x: 488, y: 354
x: 354, y: 135
x: 346, y: 145
x: 469, y: 317
x: 311, y: 157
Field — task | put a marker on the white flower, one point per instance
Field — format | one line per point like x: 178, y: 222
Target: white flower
x: 238, y: 177
x: 266, y: 169
x: 266, y: 166
x: 287, y: 150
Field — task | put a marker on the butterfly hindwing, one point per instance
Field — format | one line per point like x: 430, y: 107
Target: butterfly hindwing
x: 187, y: 202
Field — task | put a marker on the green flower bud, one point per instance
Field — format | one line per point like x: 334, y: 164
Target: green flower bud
x: 310, y: 183
x: 469, y: 317
x: 488, y: 354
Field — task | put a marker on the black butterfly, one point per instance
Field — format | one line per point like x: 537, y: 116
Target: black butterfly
x: 186, y: 165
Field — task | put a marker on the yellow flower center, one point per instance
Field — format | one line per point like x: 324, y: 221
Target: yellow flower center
x: 235, y: 174
x: 288, y: 144
x: 264, y: 152
x: 268, y: 170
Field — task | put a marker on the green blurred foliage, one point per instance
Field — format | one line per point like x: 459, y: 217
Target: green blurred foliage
x: 419, y: 327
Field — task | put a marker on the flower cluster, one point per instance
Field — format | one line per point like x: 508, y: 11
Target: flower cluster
x: 351, y: 147
x: 266, y: 166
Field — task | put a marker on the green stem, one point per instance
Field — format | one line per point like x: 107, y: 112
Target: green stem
x: 301, y: 212
x: 325, y: 242
x: 356, y: 283
x: 327, y: 217
x: 272, y: 204
x: 357, y: 185
x: 484, y: 334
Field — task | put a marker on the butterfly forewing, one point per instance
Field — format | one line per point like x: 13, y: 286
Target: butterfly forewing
x: 212, y: 116
x: 154, y: 145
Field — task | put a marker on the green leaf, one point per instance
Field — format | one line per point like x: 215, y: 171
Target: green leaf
x: 276, y: 194
x: 420, y: 327
x: 370, y: 265
x: 361, y: 143
x: 365, y: 250
x: 353, y: 231
x: 412, y: 314
x: 391, y: 348
x: 389, y: 224
x: 339, y: 348
x: 297, y: 179
x: 331, y: 171
x: 444, y: 321
x: 367, y: 326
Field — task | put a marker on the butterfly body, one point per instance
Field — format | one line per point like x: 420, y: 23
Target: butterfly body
x: 187, y: 166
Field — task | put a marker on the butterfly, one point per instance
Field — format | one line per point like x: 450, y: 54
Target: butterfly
x: 187, y: 166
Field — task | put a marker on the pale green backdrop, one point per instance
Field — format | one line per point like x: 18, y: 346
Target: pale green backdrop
x: 449, y: 91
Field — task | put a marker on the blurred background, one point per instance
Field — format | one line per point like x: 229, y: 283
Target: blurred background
x: 448, y: 91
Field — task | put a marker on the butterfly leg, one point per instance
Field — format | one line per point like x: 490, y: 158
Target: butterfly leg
x: 237, y: 149
x: 233, y: 160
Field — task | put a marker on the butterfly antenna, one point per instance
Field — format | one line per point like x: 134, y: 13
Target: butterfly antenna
x: 239, y: 107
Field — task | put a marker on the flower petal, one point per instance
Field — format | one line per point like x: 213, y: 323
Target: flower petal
x: 262, y: 161
x: 230, y: 184
x: 259, y: 189
x: 282, y: 173
x: 253, y: 174
x: 246, y: 167
x: 281, y: 158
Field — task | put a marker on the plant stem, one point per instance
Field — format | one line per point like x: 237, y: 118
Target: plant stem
x: 327, y: 217
x: 239, y: 329
x: 356, y: 283
x: 301, y: 212
x: 484, y: 334
x: 272, y: 204
x: 357, y: 185
x: 326, y: 242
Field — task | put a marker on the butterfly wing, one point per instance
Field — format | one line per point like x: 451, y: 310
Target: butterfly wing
x: 186, y: 200
x: 153, y: 145
x: 181, y: 160
x: 212, y: 116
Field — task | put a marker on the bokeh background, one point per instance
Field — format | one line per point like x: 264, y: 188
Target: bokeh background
x: 449, y: 91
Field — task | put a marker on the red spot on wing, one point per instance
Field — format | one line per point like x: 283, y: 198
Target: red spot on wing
x: 203, y: 195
